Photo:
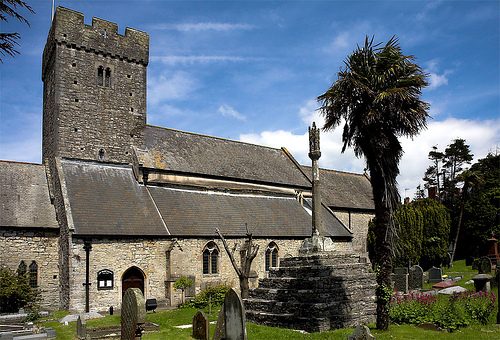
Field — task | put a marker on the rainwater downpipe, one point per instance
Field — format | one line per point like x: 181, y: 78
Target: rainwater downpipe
x: 87, y: 247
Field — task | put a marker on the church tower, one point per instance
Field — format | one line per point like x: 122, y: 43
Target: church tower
x: 94, y: 94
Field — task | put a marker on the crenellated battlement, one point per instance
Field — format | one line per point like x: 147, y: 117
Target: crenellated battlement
x: 102, y: 37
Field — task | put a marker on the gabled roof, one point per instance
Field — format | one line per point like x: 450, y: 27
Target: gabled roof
x: 344, y: 190
x: 24, y: 196
x: 107, y: 200
x: 191, y: 153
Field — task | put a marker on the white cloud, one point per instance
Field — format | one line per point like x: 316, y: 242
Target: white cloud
x: 482, y: 136
x: 228, y: 111
x: 203, y: 59
x: 203, y: 26
x: 436, y: 81
x: 170, y: 86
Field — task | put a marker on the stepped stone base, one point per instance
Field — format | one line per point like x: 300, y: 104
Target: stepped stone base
x: 315, y: 293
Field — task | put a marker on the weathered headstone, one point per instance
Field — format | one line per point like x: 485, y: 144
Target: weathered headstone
x: 401, y: 270
x: 484, y: 265
x: 435, y: 275
x: 81, y: 327
x: 416, y: 278
x: 200, y: 326
x: 400, y: 282
x: 220, y: 328
x: 234, y: 316
x: 361, y: 333
x: 133, y: 314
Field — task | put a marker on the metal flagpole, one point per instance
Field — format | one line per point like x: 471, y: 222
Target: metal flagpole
x: 52, y: 18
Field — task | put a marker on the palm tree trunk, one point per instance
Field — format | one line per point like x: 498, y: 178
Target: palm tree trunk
x: 384, y: 252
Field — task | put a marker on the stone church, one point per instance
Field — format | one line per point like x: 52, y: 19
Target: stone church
x: 118, y: 203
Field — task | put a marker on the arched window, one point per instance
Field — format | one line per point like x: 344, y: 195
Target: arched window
x: 107, y: 77
x: 33, y: 278
x: 271, y: 255
x: 100, y: 75
x: 21, y: 269
x: 210, y: 258
x: 105, y: 279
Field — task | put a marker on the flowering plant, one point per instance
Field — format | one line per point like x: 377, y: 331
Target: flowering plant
x: 412, y: 308
x: 478, y: 305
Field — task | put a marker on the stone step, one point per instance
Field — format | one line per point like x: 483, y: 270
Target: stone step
x: 313, y: 310
x: 312, y: 295
x: 342, y: 270
x: 323, y: 259
x: 320, y: 283
x: 323, y: 324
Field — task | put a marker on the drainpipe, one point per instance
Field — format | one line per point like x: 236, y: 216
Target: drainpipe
x: 87, y: 247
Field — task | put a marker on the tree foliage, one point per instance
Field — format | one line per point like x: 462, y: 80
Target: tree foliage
x: 16, y: 293
x: 182, y: 283
x: 8, y: 41
x: 409, y: 241
x: 377, y: 95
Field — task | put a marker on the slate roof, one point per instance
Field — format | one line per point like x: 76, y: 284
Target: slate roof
x: 343, y: 190
x: 24, y: 196
x: 107, y: 200
x: 192, y: 153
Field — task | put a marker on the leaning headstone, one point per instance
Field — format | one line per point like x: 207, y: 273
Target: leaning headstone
x: 416, y: 278
x: 435, y: 275
x: 81, y: 327
x: 361, y: 333
x: 484, y: 265
x: 200, y: 326
x: 133, y: 314
x: 220, y: 328
x: 234, y: 316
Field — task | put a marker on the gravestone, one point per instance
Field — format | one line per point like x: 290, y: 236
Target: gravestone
x: 484, y: 265
x: 400, y: 282
x: 435, y: 275
x: 220, y: 328
x: 200, y: 326
x: 475, y: 264
x: 51, y: 333
x: 133, y: 314
x: 81, y: 327
x: 7, y: 336
x: 361, y: 333
x: 400, y: 270
x: 234, y: 316
x: 416, y: 278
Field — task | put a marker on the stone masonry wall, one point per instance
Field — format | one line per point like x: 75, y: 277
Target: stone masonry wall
x: 149, y: 256
x: 359, y: 227
x: 34, y: 245
x: 83, y: 118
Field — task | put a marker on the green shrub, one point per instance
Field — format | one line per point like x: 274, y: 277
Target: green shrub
x: 478, y: 305
x: 217, y: 292
x: 16, y: 293
x: 412, y: 308
x: 450, y: 314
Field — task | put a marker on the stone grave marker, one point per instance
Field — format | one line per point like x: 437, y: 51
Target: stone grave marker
x: 81, y: 327
x: 361, y: 333
x: 475, y: 264
x: 400, y: 270
x: 133, y: 314
x: 416, y: 278
x: 400, y: 282
x: 220, y: 328
x: 200, y: 326
x: 234, y: 316
x: 435, y: 275
x: 484, y: 265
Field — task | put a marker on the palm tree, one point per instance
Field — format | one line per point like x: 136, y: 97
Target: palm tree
x: 376, y: 95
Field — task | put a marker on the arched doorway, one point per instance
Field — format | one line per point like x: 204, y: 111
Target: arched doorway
x: 132, y: 278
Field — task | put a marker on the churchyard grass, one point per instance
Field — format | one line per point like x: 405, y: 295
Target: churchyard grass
x: 168, y: 319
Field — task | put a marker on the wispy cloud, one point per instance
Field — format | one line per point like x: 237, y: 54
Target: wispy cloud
x: 228, y: 111
x: 435, y: 79
x: 203, y: 26
x: 203, y: 59
x: 175, y: 86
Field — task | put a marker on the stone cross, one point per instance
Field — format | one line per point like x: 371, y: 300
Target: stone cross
x: 234, y: 316
x: 314, y: 155
x: 133, y: 314
x: 200, y: 326
x: 81, y: 327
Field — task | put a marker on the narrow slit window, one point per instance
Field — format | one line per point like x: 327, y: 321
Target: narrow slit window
x: 107, y: 77
x: 33, y: 278
x: 100, y: 75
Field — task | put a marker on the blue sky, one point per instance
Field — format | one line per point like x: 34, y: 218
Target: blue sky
x: 251, y: 70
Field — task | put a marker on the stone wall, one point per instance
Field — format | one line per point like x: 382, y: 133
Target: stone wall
x: 357, y: 222
x: 84, y: 118
x: 40, y: 246
x: 150, y: 256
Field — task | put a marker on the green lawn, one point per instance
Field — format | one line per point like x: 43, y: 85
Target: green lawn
x: 168, y: 319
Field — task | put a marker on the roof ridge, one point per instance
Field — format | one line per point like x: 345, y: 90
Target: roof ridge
x: 338, y: 171
x: 16, y: 162
x: 214, y: 137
